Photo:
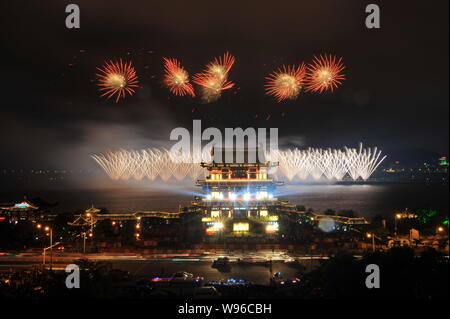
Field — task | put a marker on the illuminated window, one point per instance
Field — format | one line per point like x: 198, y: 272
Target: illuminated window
x: 263, y: 213
x: 217, y: 195
x: 272, y: 228
x: 240, y: 227
x: 215, y: 213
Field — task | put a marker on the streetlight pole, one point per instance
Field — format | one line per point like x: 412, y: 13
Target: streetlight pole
x: 395, y: 225
x: 84, y: 243
x: 51, y: 248
x: 369, y: 235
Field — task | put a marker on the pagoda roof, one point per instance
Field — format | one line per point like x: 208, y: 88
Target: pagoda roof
x: 93, y: 210
x: 25, y: 205
x: 237, y: 165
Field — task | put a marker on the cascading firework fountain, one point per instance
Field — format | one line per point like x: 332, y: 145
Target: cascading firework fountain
x: 304, y: 164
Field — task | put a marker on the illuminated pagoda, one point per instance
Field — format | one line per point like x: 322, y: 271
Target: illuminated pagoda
x: 239, y: 198
x: 31, y: 210
x: 238, y: 201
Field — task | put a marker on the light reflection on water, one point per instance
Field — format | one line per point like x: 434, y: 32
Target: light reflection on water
x: 367, y: 200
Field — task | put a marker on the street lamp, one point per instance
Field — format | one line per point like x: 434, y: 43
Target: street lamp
x: 369, y: 235
x: 440, y: 229
x: 49, y: 231
x: 84, y: 242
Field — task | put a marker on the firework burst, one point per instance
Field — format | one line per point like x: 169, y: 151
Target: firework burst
x: 176, y: 78
x: 117, y: 78
x: 221, y: 66
x: 214, y: 79
x: 286, y: 82
x: 325, y: 73
x: 211, y: 86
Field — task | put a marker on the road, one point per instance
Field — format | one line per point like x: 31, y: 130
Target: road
x: 152, y: 265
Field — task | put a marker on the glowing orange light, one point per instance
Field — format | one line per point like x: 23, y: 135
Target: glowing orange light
x: 214, y: 79
x: 324, y: 73
x: 286, y: 82
x: 117, y: 78
x: 176, y: 78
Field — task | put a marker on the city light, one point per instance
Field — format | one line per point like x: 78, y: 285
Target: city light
x: 261, y: 195
x: 247, y: 196
x: 238, y: 227
x: 217, y: 226
x: 272, y: 228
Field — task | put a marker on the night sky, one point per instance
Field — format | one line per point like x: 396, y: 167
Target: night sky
x: 395, y: 95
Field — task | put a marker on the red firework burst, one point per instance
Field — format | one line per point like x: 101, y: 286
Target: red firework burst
x: 117, y: 78
x: 212, y: 86
x: 325, y: 73
x: 221, y: 66
x: 286, y: 82
x: 176, y: 78
x: 214, y: 79
x: 211, y: 82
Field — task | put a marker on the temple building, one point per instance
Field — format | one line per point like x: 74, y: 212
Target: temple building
x: 239, y: 197
x: 238, y: 203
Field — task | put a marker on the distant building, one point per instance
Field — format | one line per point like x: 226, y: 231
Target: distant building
x: 33, y: 210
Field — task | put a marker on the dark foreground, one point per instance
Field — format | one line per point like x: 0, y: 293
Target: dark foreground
x: 403, y: 275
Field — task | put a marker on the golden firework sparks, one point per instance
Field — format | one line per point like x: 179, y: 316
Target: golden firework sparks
x: 324, y: 73
x: 286, y: 82
x: 117, y: 78
x: 214, y: 79
x: 176, y: 78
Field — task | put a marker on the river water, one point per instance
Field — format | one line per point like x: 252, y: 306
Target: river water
x: 365, y: 199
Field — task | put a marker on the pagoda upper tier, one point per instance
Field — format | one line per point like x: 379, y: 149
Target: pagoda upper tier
x: 237, y: 175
